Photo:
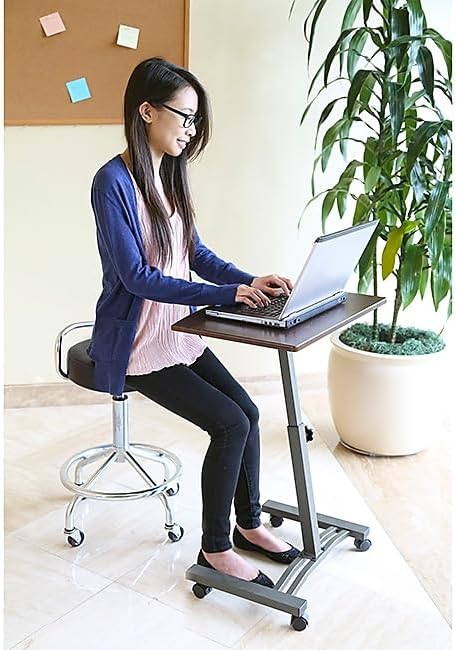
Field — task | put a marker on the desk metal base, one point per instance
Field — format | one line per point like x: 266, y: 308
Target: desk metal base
x: 316, y: 544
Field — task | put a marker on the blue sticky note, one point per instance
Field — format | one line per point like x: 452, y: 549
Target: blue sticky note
x: 78, y: 90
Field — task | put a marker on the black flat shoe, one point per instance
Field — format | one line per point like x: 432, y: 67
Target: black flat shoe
x: 261, y: 579
x: 284, y: 557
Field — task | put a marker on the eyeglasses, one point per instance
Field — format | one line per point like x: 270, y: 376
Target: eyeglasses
x: 188, y: 119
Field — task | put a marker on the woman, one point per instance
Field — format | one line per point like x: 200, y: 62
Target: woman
x: 148, y: 244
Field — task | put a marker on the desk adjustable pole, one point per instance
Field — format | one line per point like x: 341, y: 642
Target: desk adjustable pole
x: 300, y: 458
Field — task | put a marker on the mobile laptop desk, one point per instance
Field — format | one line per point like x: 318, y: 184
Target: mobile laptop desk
x: 320, y: 533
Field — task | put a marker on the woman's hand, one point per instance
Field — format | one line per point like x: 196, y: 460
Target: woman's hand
x: 251, y: 296
x: 273, y: 285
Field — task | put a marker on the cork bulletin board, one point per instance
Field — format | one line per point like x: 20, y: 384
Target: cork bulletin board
x: 38, y: 67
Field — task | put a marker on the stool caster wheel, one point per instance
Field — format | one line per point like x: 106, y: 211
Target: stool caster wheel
x: 299, y: 623
x: 276, y: 521
x: 76, y: 538
x: 176, y: 534
x: 171, y: 492
x: 200, y: 591
x: 362, y: 544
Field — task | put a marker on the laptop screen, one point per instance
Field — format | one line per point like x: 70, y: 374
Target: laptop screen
x: 329, y: 266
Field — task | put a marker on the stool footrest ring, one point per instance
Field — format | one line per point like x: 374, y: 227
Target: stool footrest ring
x: 171, y: 463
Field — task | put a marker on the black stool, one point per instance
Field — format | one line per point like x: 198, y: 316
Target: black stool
x: 80, y: 370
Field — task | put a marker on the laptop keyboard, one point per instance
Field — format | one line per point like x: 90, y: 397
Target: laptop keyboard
x: 273, y: 309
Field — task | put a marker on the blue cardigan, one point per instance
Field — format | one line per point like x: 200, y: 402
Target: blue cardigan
x: 128, y: 278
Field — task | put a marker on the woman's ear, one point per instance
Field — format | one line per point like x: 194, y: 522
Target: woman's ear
x: 147, y: 112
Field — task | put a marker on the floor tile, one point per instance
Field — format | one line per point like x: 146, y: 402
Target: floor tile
x: 118, y: 535
x: 118, y: 619
x: 40, y: 588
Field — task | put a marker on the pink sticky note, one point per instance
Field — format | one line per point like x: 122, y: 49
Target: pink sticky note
x: 52, y: 24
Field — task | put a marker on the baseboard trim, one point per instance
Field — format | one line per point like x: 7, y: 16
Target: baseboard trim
x: 66, y: 393
x: 53, y: 394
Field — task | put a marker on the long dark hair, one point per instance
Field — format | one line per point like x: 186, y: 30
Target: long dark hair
x: 157, y: 81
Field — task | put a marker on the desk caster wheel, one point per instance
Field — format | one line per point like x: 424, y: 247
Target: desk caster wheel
x: 171, y: 492
x: 200, y: 591
x: 76, y: 538
x: 362, y: 544
x: 309, y: 433
x: 175, y: 534
x: 276, y: 521
x: 299, y: 623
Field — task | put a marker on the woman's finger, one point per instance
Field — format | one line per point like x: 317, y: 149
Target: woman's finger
x: 282, y: 284
x: 249, y: 302
x: 261, y: 297
x: 288, y: 282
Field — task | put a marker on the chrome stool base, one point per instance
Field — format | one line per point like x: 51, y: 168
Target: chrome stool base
x: 120, y: 451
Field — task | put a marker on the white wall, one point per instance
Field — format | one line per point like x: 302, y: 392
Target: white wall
x: 249, y: 187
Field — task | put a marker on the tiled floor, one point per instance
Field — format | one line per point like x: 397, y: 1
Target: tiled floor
x: 124, y: 588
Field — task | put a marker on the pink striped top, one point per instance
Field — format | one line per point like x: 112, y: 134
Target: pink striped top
x: 156, y: 346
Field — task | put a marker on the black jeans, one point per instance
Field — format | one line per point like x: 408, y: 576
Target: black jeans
x: 206, y: 394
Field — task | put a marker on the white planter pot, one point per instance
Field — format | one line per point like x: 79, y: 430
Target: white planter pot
x: 384, y: 404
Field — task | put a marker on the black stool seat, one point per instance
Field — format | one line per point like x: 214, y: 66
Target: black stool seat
x: 80, y: 367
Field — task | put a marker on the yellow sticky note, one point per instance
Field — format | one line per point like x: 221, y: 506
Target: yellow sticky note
x: 52, y: 24
x: 128, y: 36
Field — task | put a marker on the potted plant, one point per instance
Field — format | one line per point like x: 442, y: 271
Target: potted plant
x: 383, y: 379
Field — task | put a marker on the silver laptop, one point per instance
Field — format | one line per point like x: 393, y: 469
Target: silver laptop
x: 319, y: 287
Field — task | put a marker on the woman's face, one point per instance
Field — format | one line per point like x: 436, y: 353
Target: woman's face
x: 166, y: 132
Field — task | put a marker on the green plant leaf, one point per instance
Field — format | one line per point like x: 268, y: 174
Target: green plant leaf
x: 327, y: 205
x: 441, y: 277
x: 344, y: 183
x: 423, y: 281
x: 329, y: 140
x: 308, y: 17
x: 324, y: 115
x: 435, y: 207
x: 411, y: 270
x: 416, y: 17
x: 366, y: 93
x: 356, y: 84
x: 362, y: 209
x: 344, y: 137
x: 401, y: 40
x: 355, y: 48
x: 331, y: 55
x: 366, y: 261
x: 375, y: 33
x: 399, y: 24
x: 315, y: 78
x: 445, y: 47
x: 317, y: 13
x: 397, y: 108
x: 370, y: 158
x: 445, y: 142
x: 367, y: 7
x: 413, y: 99
x: 365, y: 280
x: 423, y: 134
x: 435, y: 242
x: 292, y: 8
x: 372, y: 178
x: 416, y: 27
x: 418, y: 182
x: 426, y: 71
x: 349, y: 17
